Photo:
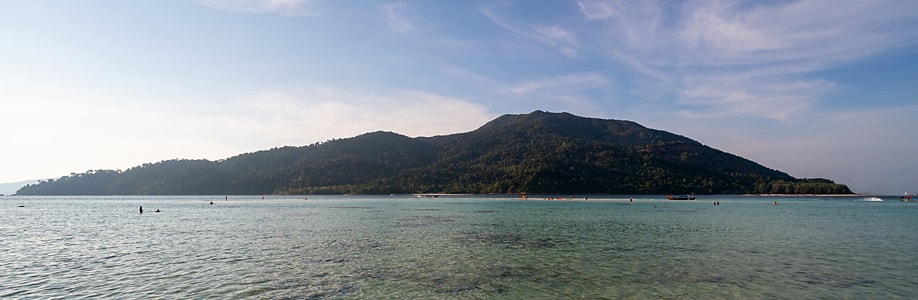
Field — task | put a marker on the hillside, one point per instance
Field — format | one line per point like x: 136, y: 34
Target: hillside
x: 9, y: 188
x: 538, y: 152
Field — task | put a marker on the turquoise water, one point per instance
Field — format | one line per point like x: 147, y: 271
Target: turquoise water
x: 387, y: 247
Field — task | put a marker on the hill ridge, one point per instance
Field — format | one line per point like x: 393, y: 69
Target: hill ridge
x: 539, y: 152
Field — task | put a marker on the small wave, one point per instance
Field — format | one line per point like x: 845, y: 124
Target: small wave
x: 872, y: 199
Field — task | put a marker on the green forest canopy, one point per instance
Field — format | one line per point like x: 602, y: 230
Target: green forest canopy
x: 535, y: 153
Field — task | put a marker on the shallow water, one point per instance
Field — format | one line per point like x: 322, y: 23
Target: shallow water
x: 457, y: 247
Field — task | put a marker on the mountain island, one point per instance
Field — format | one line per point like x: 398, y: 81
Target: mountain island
x: 539, y: 152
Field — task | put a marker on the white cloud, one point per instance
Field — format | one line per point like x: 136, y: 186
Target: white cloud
x: 572, y: 93
x: 556, y: 36
x: 727, y: 58
x: 730, y: 33
x: 567, y: 83
x: 737, y: 33
x: 394, y: 14
x: 731, y: 95
x: 564, y: 40
x: 281, y: 7
x: 305, y: 116
x: 596, y: 10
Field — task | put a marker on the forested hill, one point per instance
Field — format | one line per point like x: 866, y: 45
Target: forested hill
x: 538, y: 152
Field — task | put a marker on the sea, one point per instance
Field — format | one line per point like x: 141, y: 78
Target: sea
x: 458, y: 247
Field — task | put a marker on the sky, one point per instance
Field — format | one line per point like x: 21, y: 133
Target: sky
x: 814, y: 88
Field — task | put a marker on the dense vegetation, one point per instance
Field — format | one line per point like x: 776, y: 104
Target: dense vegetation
x: 536, y: 153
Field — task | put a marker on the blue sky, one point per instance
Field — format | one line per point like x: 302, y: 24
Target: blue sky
x: 812, y: 88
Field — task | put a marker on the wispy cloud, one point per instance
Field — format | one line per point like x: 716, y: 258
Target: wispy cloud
x: 567, y: 82
x: 281, y: 7
x: 317, y: 114
x: 394, y: 15
x: 721, y: 96
x: 574, y: 93
x: 597, y: 10
x: 564, y: 40
x: 811, y: 30
x: 554, y: 35
x: 727, y: 58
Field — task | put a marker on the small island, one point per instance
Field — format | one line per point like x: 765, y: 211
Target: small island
x: 539, y: 152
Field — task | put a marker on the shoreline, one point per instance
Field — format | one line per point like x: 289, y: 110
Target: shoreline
x: 804, y: 195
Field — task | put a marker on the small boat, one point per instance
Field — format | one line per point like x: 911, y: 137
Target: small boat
x: 683, y: 197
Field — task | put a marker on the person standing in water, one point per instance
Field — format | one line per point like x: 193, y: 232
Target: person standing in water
x: 141, y: 210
